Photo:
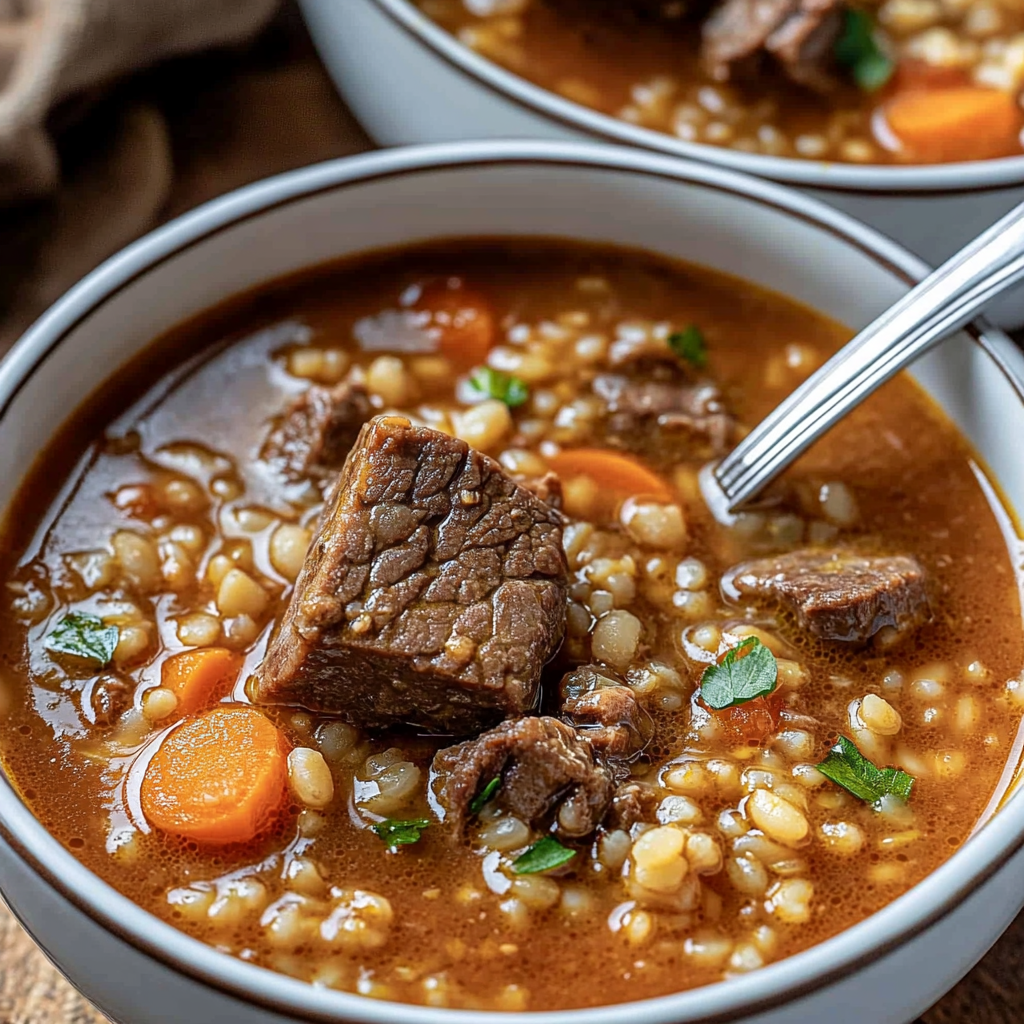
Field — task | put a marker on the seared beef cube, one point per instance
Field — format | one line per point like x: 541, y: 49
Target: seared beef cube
x: 549, y: 774
x: 667, y: 407
x: 432, y: 594
x: 839, y: 595
x: 798, y: 36
x: 606, y: 712
x: 317, y: 431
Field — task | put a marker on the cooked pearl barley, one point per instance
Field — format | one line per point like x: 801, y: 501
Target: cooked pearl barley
x: 655, y: 524
x: 138, y: 559
x: 198, y: 629
x: 192, y: 901
x: 745, y: 957
x: 679, y: 810
x: 838, y: 504
x: 707, y: 949
x: 158, y: 703
x: 504, y: 833
x: 360, y: 920
x: 339, y: 741
x: 303, y: 876
x: 776, y: 817
x: 638, y: 927
x: 703, y: 854
x: 615, y: 638
x: 790, y: 900
x: 842, y: 837
x: 240, y: 594
x: 691, y: 574
x: 796, y: 744
x: 879, y: 715
x: 747, y: 874
x: 613, y: 849
x: 690, y: 778
x: 395, y: 784
x: 132, y: 642
x: 237, y: 900
x: 658, y: 860
x: 484, y: 425
x: 310, y: 778
x: 536, y: 891
x: 388, y: 378
x: 288, y: 546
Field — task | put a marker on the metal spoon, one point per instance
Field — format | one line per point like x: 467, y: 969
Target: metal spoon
x: 941, y: 304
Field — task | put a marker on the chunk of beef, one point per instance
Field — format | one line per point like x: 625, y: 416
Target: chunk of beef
x: 634, y: 802
x: 317, y: 431
x: 664, y: 406
x: 606, y: 711
x: 838, y: 595
x: 798, y: 36
x: 549, y: 774
x: 433, y: 593
x: 547, y: 487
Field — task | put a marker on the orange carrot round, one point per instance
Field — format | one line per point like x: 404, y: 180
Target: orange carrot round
x: 463, y: 321
x: 221, y: 777
x: 200, y: 677
x: 613, y: 472
x: 960, y: 123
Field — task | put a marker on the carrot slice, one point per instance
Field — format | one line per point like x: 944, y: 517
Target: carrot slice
x: 200, y: 677
x: 966, y: 123
x: 220, y: 777
x: 462, y: 319
x: 614, y: 476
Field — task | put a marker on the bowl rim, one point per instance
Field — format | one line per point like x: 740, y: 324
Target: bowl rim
x: 877, y: 179
x: 934, y: 898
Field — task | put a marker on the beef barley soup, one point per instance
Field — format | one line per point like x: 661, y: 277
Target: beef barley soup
x: 372, y: 628
x: 857, y: 81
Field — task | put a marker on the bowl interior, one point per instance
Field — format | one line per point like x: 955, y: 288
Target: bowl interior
x: 745, y: 228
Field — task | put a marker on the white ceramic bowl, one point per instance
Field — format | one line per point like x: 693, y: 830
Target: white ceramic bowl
x: 409, y: 81
x: 139, y: 970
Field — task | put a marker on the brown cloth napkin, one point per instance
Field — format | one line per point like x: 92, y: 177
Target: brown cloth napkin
x: 52, y: 49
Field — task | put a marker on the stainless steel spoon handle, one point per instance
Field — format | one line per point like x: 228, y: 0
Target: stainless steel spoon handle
x: 943, y: 302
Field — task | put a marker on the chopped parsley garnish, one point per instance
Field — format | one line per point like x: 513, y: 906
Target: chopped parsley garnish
x: 484, y: 797
x: 545, y: 854
x: 85, y: 636
x: 690, y: 346
x: 500, y: 385
x: 846, y: 766
x: 858, y: 51
x: 747, y: 671
x: 400, y: 833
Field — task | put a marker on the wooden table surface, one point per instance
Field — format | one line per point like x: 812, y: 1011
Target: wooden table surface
x: 148, y: 150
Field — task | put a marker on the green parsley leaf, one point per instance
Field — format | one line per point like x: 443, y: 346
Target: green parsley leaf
x: 747, y: 671
x: 857, y: 50
x: 85, y: 636
x: 502, y: 386
x: 846, y: 766
x: 400, y: 833
x: 545, y: 854
x: 484, y: 797
x: 690, y: 346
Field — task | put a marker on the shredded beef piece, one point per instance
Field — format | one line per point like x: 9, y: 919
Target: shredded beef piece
x: 433, y: 593
x: 634, y: 802
x: 317, y: 431
x: 838, y: 595
x: 549, y: 774
x: 799, y: 36
x: 547, y: 487
x: 662, y: 406
x: 606, y: 711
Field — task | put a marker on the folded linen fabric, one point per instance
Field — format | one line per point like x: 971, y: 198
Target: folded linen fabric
x: 52, y: 49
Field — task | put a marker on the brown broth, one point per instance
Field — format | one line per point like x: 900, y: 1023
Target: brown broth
x: 216, y: 382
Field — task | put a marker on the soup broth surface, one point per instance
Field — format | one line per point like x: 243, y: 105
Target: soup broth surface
x: 156, y: 490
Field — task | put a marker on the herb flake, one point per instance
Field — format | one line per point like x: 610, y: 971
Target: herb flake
x: 400, y: 833
x: 858, y: 51
x: 747, y: 671
x: 484, y: 797
x: 85, y: 636
x: 846, y: 766
x: 690, y: 346
x: 544, y: 855
x: 500, y: 385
